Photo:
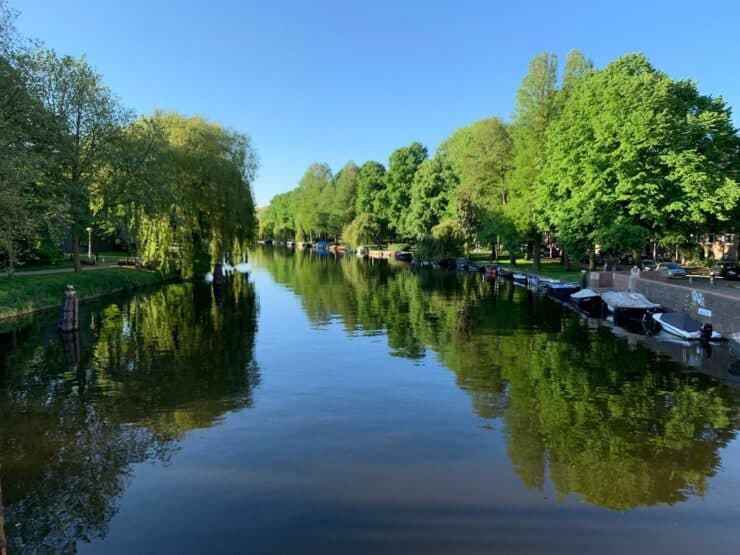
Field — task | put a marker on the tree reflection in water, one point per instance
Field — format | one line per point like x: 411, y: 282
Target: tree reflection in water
x: 77, y: 412
x: 619, y: 425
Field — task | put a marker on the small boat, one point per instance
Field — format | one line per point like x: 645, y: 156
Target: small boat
x: 461, y: 264
x: 361, y: 251
x: 627, y: 305
x: 473, y: 268
x: 685, y: 327
x: 588, y: 301
x: 519, y: 278
x: 562, y: 290
x: 322, y: 245
x: 404, y: 256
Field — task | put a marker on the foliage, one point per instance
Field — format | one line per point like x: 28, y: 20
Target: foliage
x: 536, y: 109
x: 365, y: 229
x: 432, y: 192
x: 178, y: 188
x: 445, y: 241
x: 635, y: 149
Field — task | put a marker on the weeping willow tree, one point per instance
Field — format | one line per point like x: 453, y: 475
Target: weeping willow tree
x: 181, y: 190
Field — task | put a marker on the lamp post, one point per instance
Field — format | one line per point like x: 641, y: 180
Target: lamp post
x: 89, y: 242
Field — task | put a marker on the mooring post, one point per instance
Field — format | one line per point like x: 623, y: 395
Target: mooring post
x: 70, y: 319
x: 218, y: 274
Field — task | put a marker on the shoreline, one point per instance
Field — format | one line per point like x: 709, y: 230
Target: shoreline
x: 7, y: 316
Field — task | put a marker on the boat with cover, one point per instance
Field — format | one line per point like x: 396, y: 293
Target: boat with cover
x: 630, y: 305
x: 588, y: 301
x: 519, y: 278
x: 684, y: 326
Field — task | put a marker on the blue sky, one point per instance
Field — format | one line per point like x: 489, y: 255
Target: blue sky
x: 332, y: 81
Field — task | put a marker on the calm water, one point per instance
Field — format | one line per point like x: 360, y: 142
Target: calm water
x: 322, y: 406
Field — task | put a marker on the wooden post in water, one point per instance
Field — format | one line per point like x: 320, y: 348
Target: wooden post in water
x: 3, y: 543
x: 70, y: 320
x: 218, y: 274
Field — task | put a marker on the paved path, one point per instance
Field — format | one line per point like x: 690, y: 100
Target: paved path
x: 85, y: 268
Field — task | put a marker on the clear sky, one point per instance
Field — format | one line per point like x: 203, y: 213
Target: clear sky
x: 332, y: 81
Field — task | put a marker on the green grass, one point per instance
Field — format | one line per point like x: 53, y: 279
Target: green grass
x: 548, y: 268
x: 20, y: 294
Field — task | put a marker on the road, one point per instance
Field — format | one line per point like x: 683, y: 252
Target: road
x: 703, y: 283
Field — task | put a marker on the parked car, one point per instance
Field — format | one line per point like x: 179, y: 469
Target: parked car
x: 671, y: 270
x: 649, y: 265
x: 727, y: 270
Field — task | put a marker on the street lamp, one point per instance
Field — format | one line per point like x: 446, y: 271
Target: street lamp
x: 89, y: 242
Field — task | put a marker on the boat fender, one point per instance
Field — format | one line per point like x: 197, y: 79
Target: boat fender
x: 706, y: 332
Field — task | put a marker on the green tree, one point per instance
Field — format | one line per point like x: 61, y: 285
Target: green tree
x: 432, y: 191
x: 365, y: 229
x: 402, y: 167
x: 536, y: 109
x: 636, y: 154
x: 370, y: 187
x: 345, y: 192
x: 483, y: 153
x: 91, y: 121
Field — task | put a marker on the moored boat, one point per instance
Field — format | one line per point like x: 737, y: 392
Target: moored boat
x: 491, y: 270
x: 404, y: 256
x: 627, y: 305
x: 588, y: 301
x: 519, y: 278
x: 361, y: 251
x: 685, y: 327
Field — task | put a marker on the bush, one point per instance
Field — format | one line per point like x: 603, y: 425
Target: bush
x: 445, y: 242
x: 363, y: 230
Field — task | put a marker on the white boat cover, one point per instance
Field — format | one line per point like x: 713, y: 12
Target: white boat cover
x: 627, y: 300
x: 585, y: 294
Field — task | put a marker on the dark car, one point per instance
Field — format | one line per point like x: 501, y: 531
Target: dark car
x: 649, y: 265
x: 727, y: 270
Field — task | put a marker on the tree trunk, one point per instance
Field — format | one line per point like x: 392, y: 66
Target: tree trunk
x: 76, y: 247
x: 567, y: 262
x: 512, y: 257
x: 10, y: 262
x: 536, y: 255
x: 591, y: 262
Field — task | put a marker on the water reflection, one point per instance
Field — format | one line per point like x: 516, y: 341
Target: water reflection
x: 77, y: 411
x: 611, y: 420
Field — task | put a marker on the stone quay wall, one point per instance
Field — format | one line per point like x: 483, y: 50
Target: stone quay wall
x: 720, y: 309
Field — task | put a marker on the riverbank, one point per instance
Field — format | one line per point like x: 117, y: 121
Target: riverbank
x: 22, y: 295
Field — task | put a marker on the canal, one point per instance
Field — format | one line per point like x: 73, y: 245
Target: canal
x: 317, y: 405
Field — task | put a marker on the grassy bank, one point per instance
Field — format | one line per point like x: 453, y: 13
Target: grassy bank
x: 548, y: 268
x: 23, y: 294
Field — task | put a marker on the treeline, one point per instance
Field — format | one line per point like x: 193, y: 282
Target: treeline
x: 612, y: 157
x: 176, y: 188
